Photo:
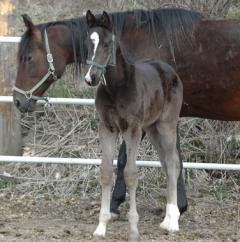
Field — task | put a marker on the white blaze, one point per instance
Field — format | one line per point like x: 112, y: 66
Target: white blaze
x: 95, y: 40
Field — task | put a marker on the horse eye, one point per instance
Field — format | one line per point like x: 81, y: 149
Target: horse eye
x: 29, y: 58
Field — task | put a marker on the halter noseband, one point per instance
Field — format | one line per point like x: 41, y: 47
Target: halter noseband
x: 111, y: 60
x: 51, y: 72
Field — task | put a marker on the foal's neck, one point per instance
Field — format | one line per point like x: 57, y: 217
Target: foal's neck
x: 118, y: 75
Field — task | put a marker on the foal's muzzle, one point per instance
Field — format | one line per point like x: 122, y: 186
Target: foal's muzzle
x: 93, y: 80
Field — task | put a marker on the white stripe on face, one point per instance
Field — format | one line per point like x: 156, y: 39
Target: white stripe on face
x: 95, y: 40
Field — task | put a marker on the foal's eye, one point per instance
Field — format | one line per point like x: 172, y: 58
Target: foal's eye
x: 29, y: 58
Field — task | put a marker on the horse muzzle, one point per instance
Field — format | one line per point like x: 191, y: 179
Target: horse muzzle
x: 24, y: 104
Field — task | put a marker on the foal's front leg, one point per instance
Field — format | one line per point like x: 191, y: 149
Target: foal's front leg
x: 132, y: 139
x: 108, y: 141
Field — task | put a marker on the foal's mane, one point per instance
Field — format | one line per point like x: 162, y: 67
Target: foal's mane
x: 174, y: 24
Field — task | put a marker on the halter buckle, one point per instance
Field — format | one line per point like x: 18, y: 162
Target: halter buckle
x: 54, y: 75
x: 46, y: 104
x: 28, y: 94
x: 49, y: 58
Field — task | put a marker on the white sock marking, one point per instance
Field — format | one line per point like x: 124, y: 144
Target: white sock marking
x: 170, y: 221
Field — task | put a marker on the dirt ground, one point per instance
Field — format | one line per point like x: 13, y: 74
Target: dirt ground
x: 74, y: 219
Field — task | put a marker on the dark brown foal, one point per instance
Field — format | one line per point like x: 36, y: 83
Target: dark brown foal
x: 146, y: 95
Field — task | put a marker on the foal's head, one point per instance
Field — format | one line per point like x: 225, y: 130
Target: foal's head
x: 41, y: 60
x: 101, y: 47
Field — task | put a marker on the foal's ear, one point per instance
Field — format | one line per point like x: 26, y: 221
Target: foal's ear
x: 90, y: 18
x: 105, y: 20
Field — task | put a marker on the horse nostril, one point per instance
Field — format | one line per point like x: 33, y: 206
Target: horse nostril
x: 17, y: 103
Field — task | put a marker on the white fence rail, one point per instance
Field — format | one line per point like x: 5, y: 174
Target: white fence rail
x: 72, y: 161
x: 76, y: 101
x: 10, y: 39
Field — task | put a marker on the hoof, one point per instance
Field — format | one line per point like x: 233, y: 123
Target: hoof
x: 100, y: 232
x: 133, y: 238
x: 183, y: 208
x: 170, y: 222
x: 171, y: 226
x: 115, y: 210
x: 114, y: 216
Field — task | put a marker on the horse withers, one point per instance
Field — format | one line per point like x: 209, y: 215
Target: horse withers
x: 146, y: 95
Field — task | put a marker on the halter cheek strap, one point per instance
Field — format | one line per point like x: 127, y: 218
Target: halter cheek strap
x: 51, y: 72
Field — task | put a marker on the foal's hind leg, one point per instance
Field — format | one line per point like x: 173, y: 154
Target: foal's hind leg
x: 132, y: 139
x: 108, y: 141
x: 163, y: 137
x: 181, y: 193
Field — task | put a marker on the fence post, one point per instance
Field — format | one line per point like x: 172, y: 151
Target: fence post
x: 10, y: 129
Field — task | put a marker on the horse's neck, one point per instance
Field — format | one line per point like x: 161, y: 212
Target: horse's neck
x: 71, y: 39
x: 74, y: 45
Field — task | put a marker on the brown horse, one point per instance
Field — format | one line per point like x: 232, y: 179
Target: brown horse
x: 205, y: 54
x: 146, y: 95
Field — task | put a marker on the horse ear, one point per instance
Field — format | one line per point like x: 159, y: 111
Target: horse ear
x: 105, y: 20
x: 90, y: 18
x: 28, y: 22
x: 35, y: 32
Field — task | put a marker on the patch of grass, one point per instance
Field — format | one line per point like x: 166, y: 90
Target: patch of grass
x: 58, y: 90
x: 5, y: 183
x: 234, y: 13
x: 94, y: 124
x: 222, y: 193
x: 204, y: 191
x: 87, y: 92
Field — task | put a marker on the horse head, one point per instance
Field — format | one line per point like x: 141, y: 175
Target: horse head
x: 41, y: 61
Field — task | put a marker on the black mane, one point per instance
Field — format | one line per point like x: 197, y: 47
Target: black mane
x: 176, y: 24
